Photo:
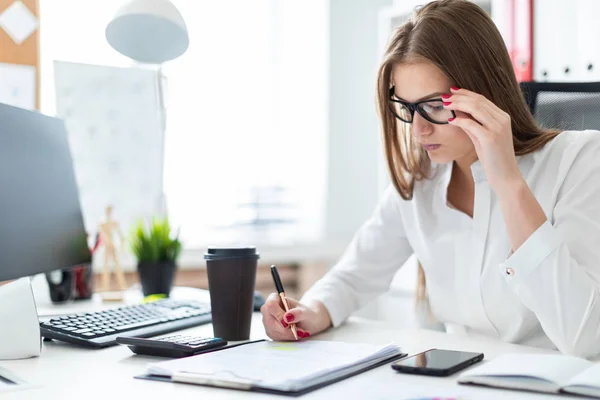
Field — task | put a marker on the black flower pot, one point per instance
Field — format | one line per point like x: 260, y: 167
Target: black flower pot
x: 156, y: 277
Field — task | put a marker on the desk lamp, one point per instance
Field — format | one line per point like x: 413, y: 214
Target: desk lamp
x: 150, y: 32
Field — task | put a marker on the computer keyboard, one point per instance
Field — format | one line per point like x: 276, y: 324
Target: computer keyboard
x: 101, y: 329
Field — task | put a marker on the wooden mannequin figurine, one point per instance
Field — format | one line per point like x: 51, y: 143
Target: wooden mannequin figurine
x: 107, y: 230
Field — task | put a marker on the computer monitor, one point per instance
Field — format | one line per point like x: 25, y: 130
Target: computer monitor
x: 41, y: 224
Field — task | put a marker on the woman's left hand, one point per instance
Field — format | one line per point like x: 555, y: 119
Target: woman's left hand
x: 489, y: 128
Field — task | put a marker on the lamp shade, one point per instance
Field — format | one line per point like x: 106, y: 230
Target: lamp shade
x: 148, y: 31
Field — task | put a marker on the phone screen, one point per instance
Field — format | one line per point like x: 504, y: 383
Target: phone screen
x: 437, y: 359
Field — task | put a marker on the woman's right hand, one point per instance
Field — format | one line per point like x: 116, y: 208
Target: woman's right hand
x: 309, y: 320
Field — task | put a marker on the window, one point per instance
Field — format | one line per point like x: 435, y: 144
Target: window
x: 246, y: 109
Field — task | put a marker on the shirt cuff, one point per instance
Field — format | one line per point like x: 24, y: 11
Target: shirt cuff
x: 530, y: 254
x: 336, y: 311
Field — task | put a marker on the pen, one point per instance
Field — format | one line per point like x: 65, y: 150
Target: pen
x: 279, y: 287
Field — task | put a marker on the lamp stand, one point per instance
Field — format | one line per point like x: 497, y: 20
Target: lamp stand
x: 162, y: 205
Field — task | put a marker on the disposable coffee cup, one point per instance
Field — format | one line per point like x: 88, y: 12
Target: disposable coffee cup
x: 231, y: 283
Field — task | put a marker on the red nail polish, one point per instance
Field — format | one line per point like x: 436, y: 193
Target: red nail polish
x: 454, y: 88
x: 305, y: 334
x: 285, y: 325
x: 450, y: 119
x: 447, y: 103
x: 289, y: 317
x: 446, y: 96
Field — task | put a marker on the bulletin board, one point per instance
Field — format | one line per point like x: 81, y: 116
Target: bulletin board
x: 19, y: 53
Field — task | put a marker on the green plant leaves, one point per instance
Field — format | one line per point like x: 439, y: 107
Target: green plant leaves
x: 151, y: 241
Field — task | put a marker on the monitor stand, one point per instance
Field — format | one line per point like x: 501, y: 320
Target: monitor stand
x: 19, y: 325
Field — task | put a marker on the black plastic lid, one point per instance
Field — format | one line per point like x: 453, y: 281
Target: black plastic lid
x: 227, y: 253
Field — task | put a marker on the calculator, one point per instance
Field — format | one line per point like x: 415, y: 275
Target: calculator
x: 174, y: 346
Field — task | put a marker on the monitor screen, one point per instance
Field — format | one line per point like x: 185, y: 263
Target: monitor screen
x: 41, y: 228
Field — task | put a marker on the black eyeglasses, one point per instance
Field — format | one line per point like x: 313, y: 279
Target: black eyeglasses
x: 432, y: 110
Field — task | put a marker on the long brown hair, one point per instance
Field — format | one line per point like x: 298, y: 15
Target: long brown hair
x: 461, y: 39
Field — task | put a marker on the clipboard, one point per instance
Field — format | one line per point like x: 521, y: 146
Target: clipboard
x: 227, y: 379
x: 190, y: 378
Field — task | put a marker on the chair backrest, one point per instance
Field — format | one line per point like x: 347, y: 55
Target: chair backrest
x: 564, y: 105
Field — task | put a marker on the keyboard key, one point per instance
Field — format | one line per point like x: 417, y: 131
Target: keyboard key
x: 137, y: 325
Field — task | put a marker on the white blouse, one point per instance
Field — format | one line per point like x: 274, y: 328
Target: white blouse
x: 546, y: 294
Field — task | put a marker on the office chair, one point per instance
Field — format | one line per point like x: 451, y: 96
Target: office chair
x: 564, y: 105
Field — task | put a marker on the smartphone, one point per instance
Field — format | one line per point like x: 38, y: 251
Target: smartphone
x: 437, y: 362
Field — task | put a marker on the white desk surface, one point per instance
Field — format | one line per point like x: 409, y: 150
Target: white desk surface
x: 65, y: 372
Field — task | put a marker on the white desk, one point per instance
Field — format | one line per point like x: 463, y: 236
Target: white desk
x: 67, y: 372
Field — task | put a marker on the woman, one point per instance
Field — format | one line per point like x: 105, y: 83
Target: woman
x: 503, y: 215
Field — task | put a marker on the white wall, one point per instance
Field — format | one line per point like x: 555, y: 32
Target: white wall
x: 354, y: 136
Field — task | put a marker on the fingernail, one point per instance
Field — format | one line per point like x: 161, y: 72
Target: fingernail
x: 446, y: 96
x: 304, y: 335
x: 285, y: 325
x: 454, y: 88
x: 289, y: 317
x: 451, y: 119
x: 447, y: 103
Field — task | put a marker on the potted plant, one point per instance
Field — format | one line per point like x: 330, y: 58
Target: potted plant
x: 156, y: 252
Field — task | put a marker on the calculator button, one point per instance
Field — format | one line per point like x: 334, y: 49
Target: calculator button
x: 197, y: 342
